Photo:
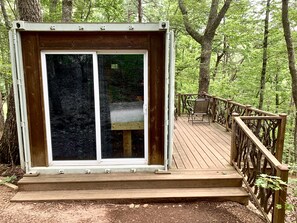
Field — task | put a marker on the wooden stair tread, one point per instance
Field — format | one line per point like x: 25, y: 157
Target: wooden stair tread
x: 113, y: 177
x: 130, y: 194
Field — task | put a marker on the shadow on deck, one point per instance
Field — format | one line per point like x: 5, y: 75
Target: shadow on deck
x: 200, y: 146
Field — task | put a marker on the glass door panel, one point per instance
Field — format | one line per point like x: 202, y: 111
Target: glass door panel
x: 121, y: 90
x: 70, y: 89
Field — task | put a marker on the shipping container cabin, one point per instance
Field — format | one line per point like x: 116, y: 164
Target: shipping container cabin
x: 93, y: 97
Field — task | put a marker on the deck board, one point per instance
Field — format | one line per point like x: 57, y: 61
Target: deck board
x: 231, y: 193
x: 200, y: 146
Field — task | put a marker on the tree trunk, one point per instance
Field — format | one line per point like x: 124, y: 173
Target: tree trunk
x: 29, y: 10
x: 264, y: 58
x: 7, y: 25
x: 205, y: 56
x: 67, y: 10
x: 295, y: 139
x: 9, y: 152
x: 215, y: 17
x: 292, y: 67
x: 219, y: 58
x: 276, y: 91
x: 5, y: 16
x: 140, y: 11
x: 1, y: 116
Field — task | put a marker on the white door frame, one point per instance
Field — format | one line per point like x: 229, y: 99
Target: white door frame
x: 98, y: 161
x: 52, y: 162
x: 132, y: 161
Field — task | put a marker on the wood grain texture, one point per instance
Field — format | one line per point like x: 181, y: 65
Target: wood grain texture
x: 34, y: 98
x: 200, y: 146
x: 232, y: 193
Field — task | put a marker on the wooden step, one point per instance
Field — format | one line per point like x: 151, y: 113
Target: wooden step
x: 177, y: 179
x: 140, y: 195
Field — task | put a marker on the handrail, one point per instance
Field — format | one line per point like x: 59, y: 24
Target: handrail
x: 252, y: 158
x: 259, y: 117
x: 221, y: 109
x: 256, y: 146
x: 257, y: 142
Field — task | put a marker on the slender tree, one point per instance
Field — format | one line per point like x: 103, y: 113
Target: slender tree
x: 140, y: 11
x: 5, y: 16
x: 53, y: 10
x: 9, y: 142
x: 215, y: 17
x: 1, y: 116
x: 264, y: 58
x: 292, y: 63
x: 7, y: 25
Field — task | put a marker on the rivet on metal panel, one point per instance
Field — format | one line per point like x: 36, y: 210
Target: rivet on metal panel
x: 163, y: 25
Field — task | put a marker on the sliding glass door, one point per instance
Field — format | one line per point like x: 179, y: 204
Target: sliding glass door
x: 95, y: 107
x: 122, y: 104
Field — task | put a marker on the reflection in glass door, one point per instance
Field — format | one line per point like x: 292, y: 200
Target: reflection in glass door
x: 69, y: 105
x: 122, y: 92
x: 95, y: 107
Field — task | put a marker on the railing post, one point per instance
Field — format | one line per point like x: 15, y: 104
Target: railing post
x: 178, y: 104
x: 228, y: 115
x: 233, y: 152
x: 183, y: 99
x: 281, y: 137
x: 213, y: 108
x: 247, y: 111
x: 280, y: 196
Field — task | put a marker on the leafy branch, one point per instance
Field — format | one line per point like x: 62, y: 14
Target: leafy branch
x: 275, y: 183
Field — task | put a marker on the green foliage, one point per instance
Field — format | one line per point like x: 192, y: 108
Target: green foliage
x: 293, y: 170
x: 8, y: 179
x: 5, y: 66
x: 276, y: 184
x: 270, y: 182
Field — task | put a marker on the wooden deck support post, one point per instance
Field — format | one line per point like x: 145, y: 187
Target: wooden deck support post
x: 233, y: 152
x: 281, y: 137
x: 228, y: 115
x: 280, y: 196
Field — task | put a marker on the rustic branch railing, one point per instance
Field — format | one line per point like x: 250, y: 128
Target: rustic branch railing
x: 252, y: 158
x: 257, y: 146
x: 221, y: 109
x: 183, y: 102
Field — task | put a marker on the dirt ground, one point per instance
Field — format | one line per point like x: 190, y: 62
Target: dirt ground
x: 79, y: 212
x: 89, y: 212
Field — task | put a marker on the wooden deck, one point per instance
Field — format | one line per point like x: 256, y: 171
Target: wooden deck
x: 200, y: 170
x: 200, y: 146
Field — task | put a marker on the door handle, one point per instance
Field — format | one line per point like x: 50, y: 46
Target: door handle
x: 144, y: 109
